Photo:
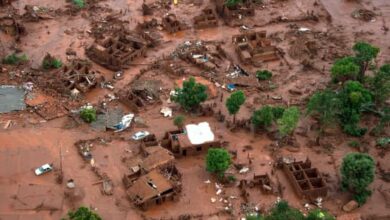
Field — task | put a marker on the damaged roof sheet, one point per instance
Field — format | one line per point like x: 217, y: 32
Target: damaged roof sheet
x: 11, y: 99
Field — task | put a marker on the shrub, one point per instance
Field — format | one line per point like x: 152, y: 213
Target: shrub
x: 263, y: 75
x: 253, y: 216
x: 79, y: 3
x: 179, y: 121
x: 217, y: 161
x: 83, y: 213
x: 383, y: 143
x: 52, y: 64
x: 88, y: 114
x: 345, y: 69
x: 277, y: 111
x: 14, y: 59
x: 318, y: 214
x: 282, y: 211
x: 357, y: 172
x: 232, y: 3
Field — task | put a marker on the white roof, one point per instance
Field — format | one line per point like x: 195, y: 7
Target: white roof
x: 200, y: 133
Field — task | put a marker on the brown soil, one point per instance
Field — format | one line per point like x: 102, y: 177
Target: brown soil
x: 37, y: 137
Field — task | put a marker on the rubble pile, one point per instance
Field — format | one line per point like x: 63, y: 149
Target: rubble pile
x: 116, y: 53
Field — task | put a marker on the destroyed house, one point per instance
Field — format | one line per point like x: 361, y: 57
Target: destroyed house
x: 206, y: 19
x: 171, y: 24
x: 254, y: 47
x: 156, y: 157
x: 78, y: 76
x: 244, y: 9
x: 194, y: 139
x: 116, y: 53
x: 306, y: 180
x: 140, y: 93
x: 152, y: 188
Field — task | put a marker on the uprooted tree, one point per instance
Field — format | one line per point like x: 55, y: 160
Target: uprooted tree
x: 217, y: 161
x: 357, y: 173
x: 190, y: 95
x: 234, y: 102
x: 82, y: 213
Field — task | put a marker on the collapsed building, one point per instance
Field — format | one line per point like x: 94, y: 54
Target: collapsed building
x: 154, y: 157
x: 76, y: 77
x: 206, y: 19
x: 205, y: 55
x: 306, y: 180
x: 194, y: 139
x: 254, y: 47
x: 172, y: 24
x: 140, y: 93
x: 237, y: 12
x: 117, y: 52
x: 154, y: 188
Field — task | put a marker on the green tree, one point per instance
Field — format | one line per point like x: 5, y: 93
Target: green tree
x: 88, y: 114
x: 289, y: 120
x: 179, y: 121
x: 234, y: 102
x: 326, y: 104
x: 357, y: 172
x: 364, y: 54
x: 380, y: 85
x: 345, y: 69
x: 282, y: 211
x: 318, y: 214
x: 191, y: 95
x: 83, y: 213
x: 354, y: 99
x: 217, y: 161
x: 263, y: 117
x: 263, y: 74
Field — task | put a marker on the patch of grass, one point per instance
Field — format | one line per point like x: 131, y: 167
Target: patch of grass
x: 14, y: 59
x: 88, y: 114
x: 263, y: 75
x: 383, y: 143
x: 52, y: 64
x: 354, y: 144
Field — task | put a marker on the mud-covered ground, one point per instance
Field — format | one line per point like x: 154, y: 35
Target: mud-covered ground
x: 30, y: 141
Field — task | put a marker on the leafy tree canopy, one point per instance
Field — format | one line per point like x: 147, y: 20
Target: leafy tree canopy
x: 191, y: 95
x: 345, y: 69
x: 217, y: 161
x: 289, y: 120
x: 326, y: 104
x: 357, y: 172
x: 234, y: 102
